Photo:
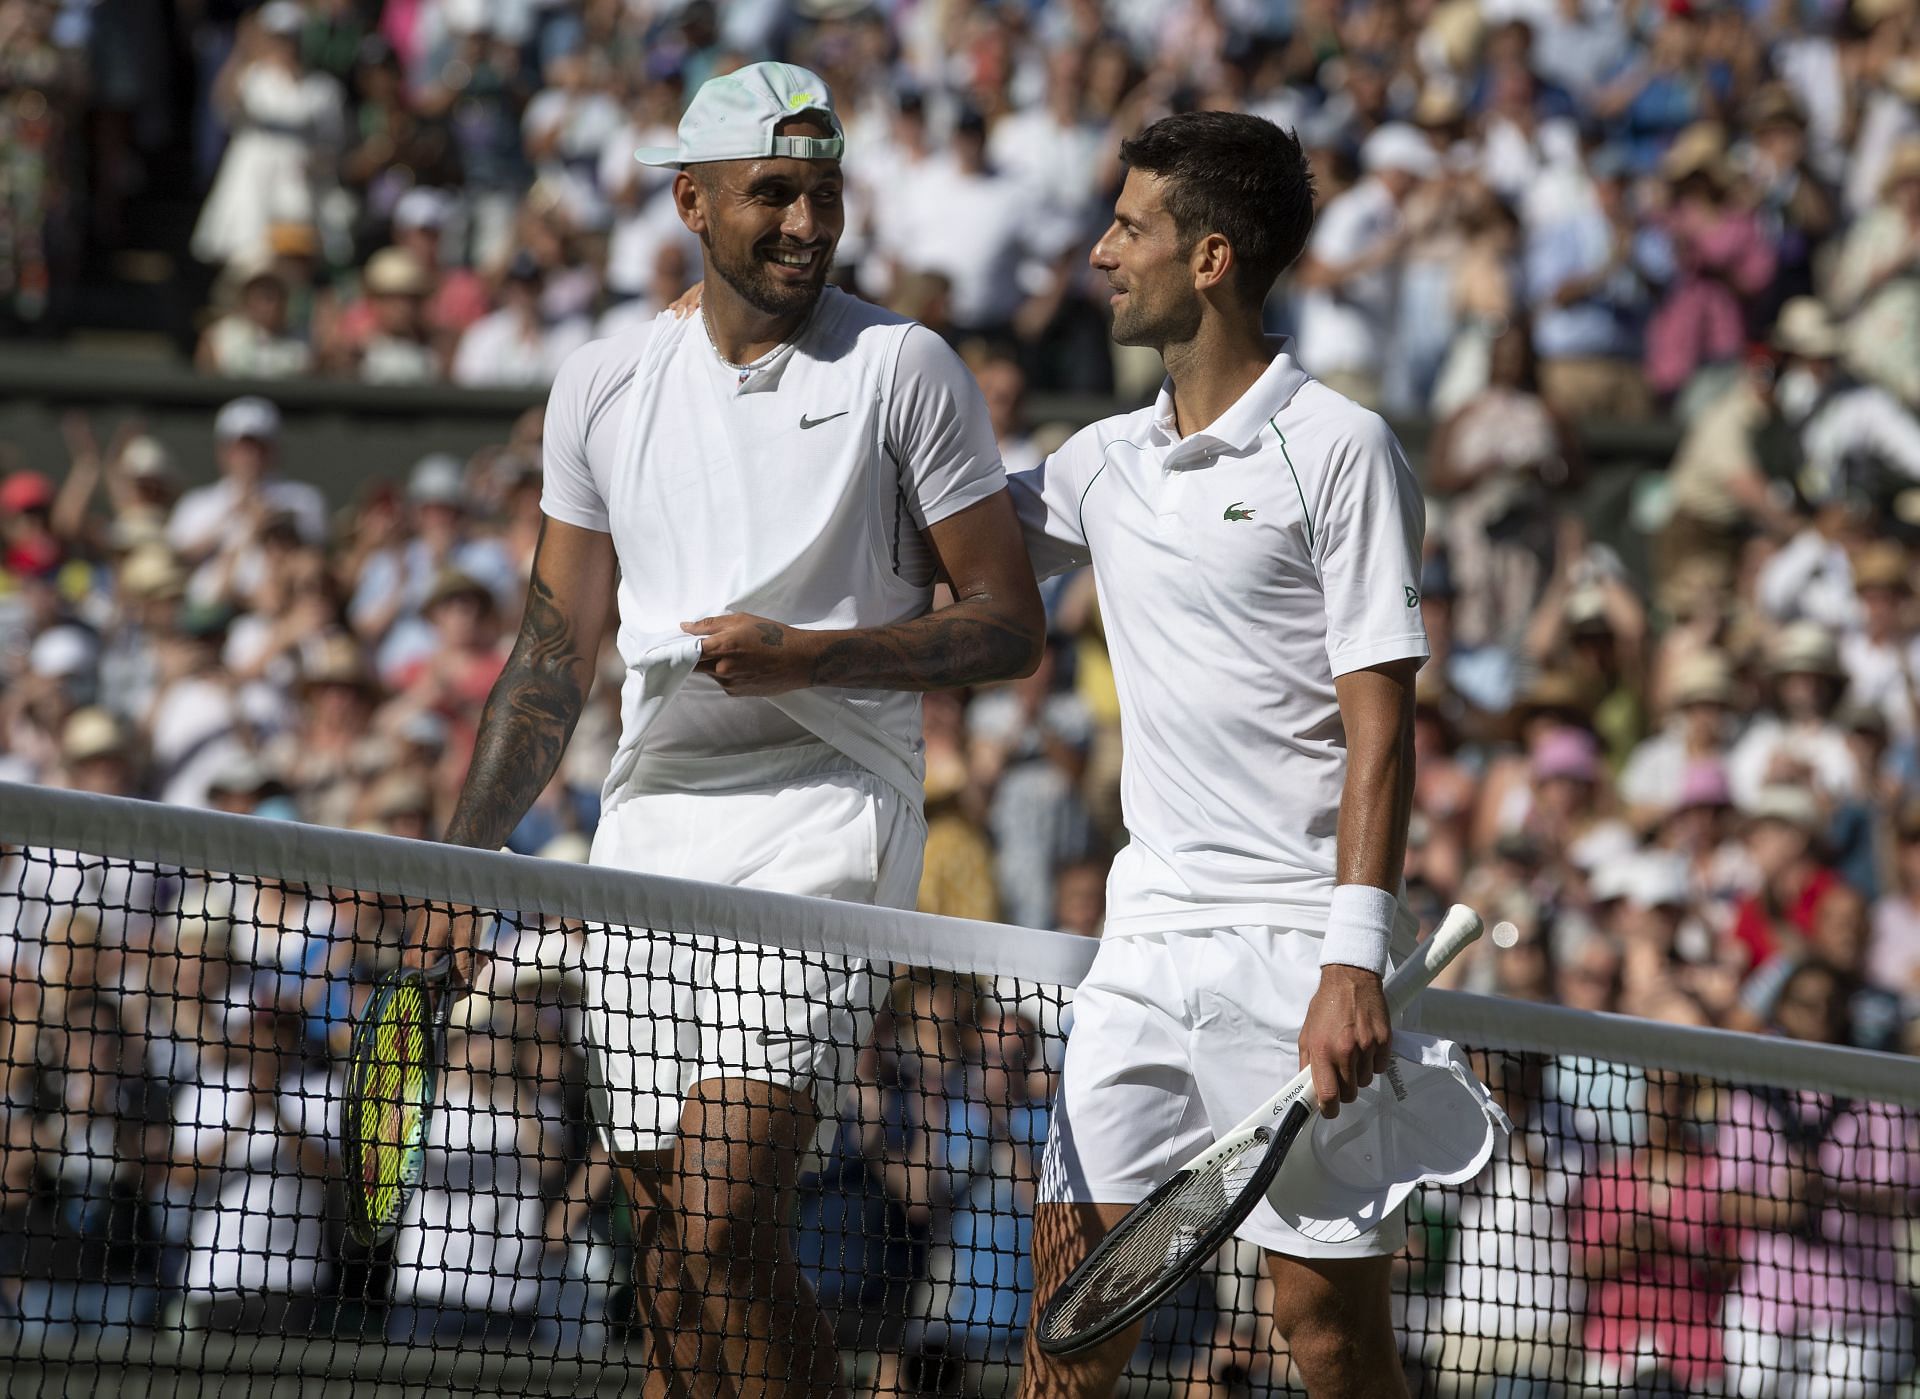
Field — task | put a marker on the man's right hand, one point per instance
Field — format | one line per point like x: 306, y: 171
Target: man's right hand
x: 455, y: 932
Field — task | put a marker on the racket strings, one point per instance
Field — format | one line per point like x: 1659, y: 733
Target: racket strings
x: 1157, y: 1245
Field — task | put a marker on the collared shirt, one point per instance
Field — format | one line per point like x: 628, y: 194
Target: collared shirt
x: 1240, y: 569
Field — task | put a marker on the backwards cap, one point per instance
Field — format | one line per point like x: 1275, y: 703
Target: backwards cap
x: 733, y: 116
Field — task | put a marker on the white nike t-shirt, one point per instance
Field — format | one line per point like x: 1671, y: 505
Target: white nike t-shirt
x: 1240, y: 570
x: 797, y: 493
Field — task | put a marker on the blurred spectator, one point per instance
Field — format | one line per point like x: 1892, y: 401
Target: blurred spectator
x: 400, y: 347
x: 287, y: 126
x: 1793, y: 741
x: 1346, y: 278
x: 252, y: 341
x: 246, y: 434
x: 1818, y: 1187
x: 1893, y: 953
x: 1875, y: 283
x: 514, y: 345
x: 1717, y: 254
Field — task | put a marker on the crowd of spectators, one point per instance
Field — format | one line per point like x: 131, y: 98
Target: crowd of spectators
x: 1692, y: 784
x: 407, y: 191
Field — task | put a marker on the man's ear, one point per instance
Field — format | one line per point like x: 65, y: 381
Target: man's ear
x: 1212, y: 262
x: 690, y: 200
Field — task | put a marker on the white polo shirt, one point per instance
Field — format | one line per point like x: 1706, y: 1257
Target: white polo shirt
x: 1240, y: 570
x: 797, y: 492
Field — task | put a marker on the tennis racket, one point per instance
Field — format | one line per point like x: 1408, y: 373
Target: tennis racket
x: 1166, y: 1237
x: 393, y: 1078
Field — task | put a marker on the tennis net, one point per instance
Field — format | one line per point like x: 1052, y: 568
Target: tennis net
x: 1677, y: 1211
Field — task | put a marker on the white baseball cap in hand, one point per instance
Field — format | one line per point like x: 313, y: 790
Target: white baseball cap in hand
x: 734, y: 116
x: 1426, y: 1120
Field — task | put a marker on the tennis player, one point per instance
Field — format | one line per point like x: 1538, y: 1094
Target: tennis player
x: 780, y: 477
x: 1256, y: 544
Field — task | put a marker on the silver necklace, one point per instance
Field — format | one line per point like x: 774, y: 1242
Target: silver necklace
x: 745, y: 371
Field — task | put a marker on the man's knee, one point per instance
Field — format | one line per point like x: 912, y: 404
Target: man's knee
x: 1335, y: 1318
x: 1332, y: 1352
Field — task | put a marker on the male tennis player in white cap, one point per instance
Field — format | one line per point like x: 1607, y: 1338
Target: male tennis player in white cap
x: 1256, y: 543
x: 771, y: 485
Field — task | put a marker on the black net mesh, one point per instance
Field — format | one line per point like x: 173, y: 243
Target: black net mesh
x: 172, y: 1203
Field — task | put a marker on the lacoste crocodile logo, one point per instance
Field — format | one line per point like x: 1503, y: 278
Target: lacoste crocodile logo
x: 1238, y: 511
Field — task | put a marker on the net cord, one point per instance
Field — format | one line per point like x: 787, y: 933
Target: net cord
x: 182, y: 837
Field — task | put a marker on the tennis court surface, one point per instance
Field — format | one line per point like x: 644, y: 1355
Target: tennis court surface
x: 1714, y: 1213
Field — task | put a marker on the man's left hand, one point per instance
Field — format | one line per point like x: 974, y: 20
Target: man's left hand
x: 1348, y: 1036
x: 751, y: 655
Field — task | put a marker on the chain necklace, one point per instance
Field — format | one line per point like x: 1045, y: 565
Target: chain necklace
x: 745, y: 371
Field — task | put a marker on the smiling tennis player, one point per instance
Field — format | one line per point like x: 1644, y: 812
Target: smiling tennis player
x: 780, y: 476
x: 1256, y: 544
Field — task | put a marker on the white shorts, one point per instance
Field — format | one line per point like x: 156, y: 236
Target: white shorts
x: 1176, y: 1037
x: 666, y: 1012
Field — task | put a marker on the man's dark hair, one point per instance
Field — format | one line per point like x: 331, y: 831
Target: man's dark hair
x: 1236, y: 175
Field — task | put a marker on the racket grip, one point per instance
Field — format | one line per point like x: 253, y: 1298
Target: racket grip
x: 1459, y: 928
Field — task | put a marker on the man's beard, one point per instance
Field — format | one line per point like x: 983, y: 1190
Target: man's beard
x: 752, y: 280
x: 1134, y: 324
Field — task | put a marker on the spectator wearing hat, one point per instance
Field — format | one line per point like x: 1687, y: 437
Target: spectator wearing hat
x: 389, y: 604
x: 254, y: 340
x: 1856, y: 440
x: 28, y: 545
x: 222, y: 516
x: 1875, y: 283
x: 1792, y: 200
x: 96, y: 754
x: 148, y: 587
x: 1810, y: 576
x: 199, y: 714
x: 60, y: 676
x: 515, y: 347
x: 454, y: 678
x: 321, y: 757
x: 1344, y: 285
x: 288, y: 125
x: 1718, y: 254
x: 1882, y: 657
x: 1794, y: 742
x: 1893, y: 949
x: 401, y: 347
x: 1696, y: 726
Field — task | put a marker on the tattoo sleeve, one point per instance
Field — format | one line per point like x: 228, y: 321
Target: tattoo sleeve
x: 525, y: 727
x: 969, y: 643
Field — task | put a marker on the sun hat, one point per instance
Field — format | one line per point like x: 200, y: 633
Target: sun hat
x: 735, y: 117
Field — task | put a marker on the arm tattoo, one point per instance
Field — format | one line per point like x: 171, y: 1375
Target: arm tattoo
x: 528, y: 719
x: 968, y: 643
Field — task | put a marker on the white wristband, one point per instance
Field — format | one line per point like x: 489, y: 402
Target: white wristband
x: 1359, y: 928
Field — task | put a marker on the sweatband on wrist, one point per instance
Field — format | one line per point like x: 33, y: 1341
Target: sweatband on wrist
x: 1359, y: 928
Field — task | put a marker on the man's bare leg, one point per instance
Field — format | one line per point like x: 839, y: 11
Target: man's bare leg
x: 1062, y: 1236
x: 736, y: 1165
x: 1335, y: 1316
x: 683, y: 1355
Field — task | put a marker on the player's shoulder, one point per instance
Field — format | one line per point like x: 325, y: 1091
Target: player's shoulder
x: 1092, y: 442
x: 1322, y: 428
x: 592, y: 375
x: 847, y: 324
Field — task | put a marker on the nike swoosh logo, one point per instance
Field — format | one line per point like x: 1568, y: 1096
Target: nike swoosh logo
x: 806, y: 422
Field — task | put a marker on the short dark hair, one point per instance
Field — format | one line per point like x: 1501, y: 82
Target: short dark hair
x: 1236, y: 175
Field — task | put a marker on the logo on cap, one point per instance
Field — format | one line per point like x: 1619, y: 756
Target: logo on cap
x: 800, y: 100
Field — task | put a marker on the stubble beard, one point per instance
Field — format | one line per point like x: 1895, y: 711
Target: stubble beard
x: 753, y: 283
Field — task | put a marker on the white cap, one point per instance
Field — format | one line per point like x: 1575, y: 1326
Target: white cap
x: 1659, y: 880
x: 437, y: 479
x: 284, y: 17
x: 60, y: 652
x: 1399, y: 146
x: 1427, y: 1119
x: 733, y: 116
x: 145, y: 456
x: 422, y: 207
x: 247, y: 417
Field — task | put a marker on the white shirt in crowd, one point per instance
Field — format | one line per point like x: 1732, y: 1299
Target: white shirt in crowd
x: 263, y: 1229
x: 1821, y: 747
x: 500, y: 351
x: 974, y: 230
x: 1240, y: 569
x: 1344, y: 329
x: 203, y: 518
x: 797, y: 491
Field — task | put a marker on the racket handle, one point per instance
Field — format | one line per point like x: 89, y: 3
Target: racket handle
x: 1460, y: 927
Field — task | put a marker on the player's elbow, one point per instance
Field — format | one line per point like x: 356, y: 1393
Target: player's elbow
x: 1026, y: 624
